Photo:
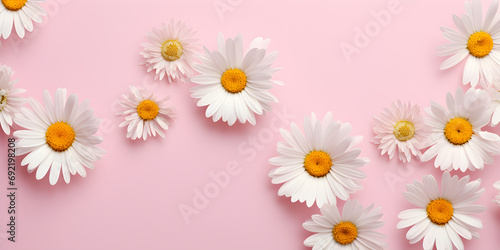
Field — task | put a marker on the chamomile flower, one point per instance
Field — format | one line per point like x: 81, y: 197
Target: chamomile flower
x: 455, y: 134
x: 234, y: 85
x: 59, y: 137
x: 497, y: 197
x: 145, y: 115
x: 400, y: 131
x: 442, y: 217
x: 320, y: 166
x: 171, y: 51
x: 19, y: 14
x: 355, y: 229
x: 9, y: 102
x: 476, y: 39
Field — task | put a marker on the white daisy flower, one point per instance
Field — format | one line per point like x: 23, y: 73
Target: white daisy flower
x: 145, y: 115
x: 455, y: 134
x: 59, y: 137
x: 320, y: 167
x: 400, y: 129
x: 497, y: 197
x: 171, y: 51
x: 9, y: 102
x: 442, y: 216
x: 19, y: 14
x: 477, y: 39
x: 355, y: 229
x: 234, y: 84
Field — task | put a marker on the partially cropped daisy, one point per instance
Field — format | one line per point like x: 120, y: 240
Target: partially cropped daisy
x: 400, y: 130
x: 320, y: 166
x: 145, y: 115
x: 455, y: 133
x: 234, y: 85
x: 442, y: 217
x: 494, y: 94
x: 19, y: 15
x: 9, y: 102
x: 497, y: 197
x: 59, y: 138
x: 171, y: 51
x: 355, y: 229
x: 477, y: 39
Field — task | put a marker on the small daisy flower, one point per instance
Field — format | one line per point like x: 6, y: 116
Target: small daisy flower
x: 455, y: 134
x: 400, y: 129
x: 476, y: 39
x: 355, y: 229
x: 497, y: 197
x: 19, y: 14
x: 171, y: 51
x: 9, y: 102
x: 320, y: 167
x: 442, y: 217
x: 59, y: 137
x: 234, y: 85
x: 145, y: 115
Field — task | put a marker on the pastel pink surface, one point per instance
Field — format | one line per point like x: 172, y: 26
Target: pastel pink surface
x: 132, y: 199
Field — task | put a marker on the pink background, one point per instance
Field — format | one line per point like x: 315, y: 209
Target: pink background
x: 131, y: 199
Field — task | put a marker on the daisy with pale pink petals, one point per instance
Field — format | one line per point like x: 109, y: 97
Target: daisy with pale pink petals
x: 145, y: 115
x: 171, y: 51
x: 400, y: 131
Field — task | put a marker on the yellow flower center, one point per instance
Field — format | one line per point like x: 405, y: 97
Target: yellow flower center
x: 60, y: 136
x: 345, y: 233
x: 3, y: 101
x: 14, y: 5
x: 458, y: 131
x: 480, y: 44
x: 440, y: 211
x: 234, y: 80
x: 318, y: 163
x: 171, y: 50
x: 404, y: 130
x: 148, y: 110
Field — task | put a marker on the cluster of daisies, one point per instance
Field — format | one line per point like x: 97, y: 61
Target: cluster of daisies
x: 234, y: 85
x: 316, y: 165
x: 58, y: 137
x: 322, y: 164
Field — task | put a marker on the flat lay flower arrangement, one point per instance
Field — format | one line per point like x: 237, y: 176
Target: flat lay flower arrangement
x: 188, y: 120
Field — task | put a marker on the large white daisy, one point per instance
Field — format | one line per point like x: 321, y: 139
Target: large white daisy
x: 455, y: 134
x: 400, y: 129
x: 234, y: 84
x: 478, y: 39
x: 320, y: 167
x: 145, y: 115
x: 442, y: 216
x: 19, y: 14
x: 171, y: 51
x: 9, y: 102
x: 355, y: 229
x: 59, y: 137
